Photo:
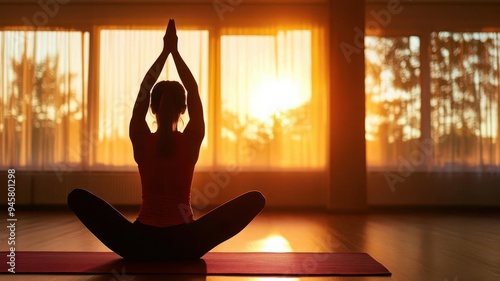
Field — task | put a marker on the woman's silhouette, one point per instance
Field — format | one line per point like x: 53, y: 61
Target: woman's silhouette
x: 165, y: 228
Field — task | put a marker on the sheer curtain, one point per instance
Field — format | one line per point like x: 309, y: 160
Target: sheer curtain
x: 273, y: 111
x: 43, y: 89
x: 465, y: 97
x: 125, y: 57
x: 267, y: 106
x: 270, y: 111
x: 392, y: 99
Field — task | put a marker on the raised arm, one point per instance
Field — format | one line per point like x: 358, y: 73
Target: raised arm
x: 138, y: 126
x: 195, y: 129
x: 195, y: 107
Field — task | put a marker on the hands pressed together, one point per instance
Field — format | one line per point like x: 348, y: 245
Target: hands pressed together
x: 170, y: 38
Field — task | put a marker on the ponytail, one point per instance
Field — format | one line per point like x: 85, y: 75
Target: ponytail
x: 166, y: 144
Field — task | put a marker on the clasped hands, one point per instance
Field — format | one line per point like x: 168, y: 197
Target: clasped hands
x: 170, y: 38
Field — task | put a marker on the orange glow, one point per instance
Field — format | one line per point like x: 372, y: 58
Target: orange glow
x: 264, y: 76
x: 272, y: 97
x: 266, y: 98
x: 274, y: 243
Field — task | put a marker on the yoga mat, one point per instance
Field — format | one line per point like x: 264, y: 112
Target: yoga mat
x: 213, y: 263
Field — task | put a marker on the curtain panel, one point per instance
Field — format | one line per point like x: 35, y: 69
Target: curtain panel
x: 463, y: 78
x: 43, y: 90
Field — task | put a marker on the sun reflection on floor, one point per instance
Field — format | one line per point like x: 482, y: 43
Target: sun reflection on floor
x: 273, y: 243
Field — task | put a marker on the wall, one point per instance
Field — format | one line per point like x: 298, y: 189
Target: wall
x: 282, y: 189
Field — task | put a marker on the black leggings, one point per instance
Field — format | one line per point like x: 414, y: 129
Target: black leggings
x: 180, y: 242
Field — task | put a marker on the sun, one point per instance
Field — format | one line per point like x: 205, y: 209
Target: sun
x: 271, y: 97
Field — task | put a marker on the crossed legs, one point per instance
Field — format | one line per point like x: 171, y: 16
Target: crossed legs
x: 189, y: 241
x: 104, y: 221
x: 226, y: 221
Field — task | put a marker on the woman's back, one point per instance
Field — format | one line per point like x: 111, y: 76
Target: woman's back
x: 166, y: 183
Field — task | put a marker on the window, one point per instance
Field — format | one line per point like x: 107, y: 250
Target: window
x: 268, y: 109
x: 125, y: 57
x: 392, y: 98
x: 43, y: 89
x: 465, y: 96
x: 463, y: 102
x: 264, y: 109
x: 264, y: 92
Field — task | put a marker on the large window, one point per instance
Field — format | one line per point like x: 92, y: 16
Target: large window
x: 43, y: 90
x: 268, y: 111
x: 264, y: 93
x: 465, y: 94
x: 462, y: 119
x: 265, y: 108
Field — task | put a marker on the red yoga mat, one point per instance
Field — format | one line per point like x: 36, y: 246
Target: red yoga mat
x: 213, y: 263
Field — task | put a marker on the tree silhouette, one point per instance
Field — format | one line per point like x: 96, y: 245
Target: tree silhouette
x: 464, y: 95
x: 464, y: 83
x: 40, y: 102
x: 247, y: 137
x: 393, y: 95
x: 258, y: 142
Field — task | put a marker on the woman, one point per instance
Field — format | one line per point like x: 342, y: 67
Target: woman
x: 165, y: 228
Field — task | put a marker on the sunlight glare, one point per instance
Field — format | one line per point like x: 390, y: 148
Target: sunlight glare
x: 271, y: 97
x: 274, y: 243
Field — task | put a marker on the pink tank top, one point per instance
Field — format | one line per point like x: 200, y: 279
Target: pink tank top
x: 166, y: 184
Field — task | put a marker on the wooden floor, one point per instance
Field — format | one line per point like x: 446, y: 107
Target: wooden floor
x: 416, y: 245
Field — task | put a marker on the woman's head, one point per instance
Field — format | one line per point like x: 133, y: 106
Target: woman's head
x: 168, y: 102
